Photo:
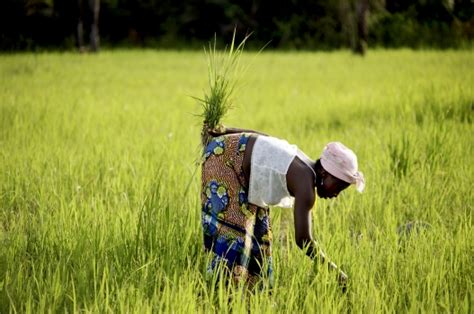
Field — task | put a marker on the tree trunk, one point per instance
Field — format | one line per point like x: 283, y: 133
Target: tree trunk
x: 362, y: 10
x: 347, y: 19
x: 88, y: 20
x: 80, y: 25
x: 95, y: 39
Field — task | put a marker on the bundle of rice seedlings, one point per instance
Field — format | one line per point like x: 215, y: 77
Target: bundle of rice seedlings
x: 224, y: 69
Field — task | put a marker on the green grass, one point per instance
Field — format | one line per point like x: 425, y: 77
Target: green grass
x: 96, y: 153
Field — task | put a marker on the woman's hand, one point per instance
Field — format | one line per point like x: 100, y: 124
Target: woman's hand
x: 343, y: 279
x: 217, y: 131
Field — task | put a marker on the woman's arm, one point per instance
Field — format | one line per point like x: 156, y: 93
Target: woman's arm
x: 302, y: 216
x: 222, y: 130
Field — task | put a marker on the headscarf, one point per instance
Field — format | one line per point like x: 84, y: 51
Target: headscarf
x: 341, y: 162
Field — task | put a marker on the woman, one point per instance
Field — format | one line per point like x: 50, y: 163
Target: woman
x: 243, y: 173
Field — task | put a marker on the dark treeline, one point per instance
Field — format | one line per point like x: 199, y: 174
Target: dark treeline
x: 291, y: 24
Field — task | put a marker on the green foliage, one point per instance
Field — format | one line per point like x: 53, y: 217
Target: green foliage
x: 96, y: 152
x: 297, y: 24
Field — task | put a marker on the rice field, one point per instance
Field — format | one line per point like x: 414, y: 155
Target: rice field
x: 100, y: 183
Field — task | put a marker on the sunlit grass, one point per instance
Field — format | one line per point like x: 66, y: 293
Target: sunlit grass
x: 96, y: 152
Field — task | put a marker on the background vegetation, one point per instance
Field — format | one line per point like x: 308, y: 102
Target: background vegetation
x: 97, y: 151
x: 296, y: 24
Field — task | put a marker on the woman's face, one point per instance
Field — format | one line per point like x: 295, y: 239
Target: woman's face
x: 329, y: 186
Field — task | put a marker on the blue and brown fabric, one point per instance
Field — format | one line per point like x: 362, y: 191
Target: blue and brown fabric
x: 236, y: 233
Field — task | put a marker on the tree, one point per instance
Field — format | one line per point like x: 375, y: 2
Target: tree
x: 354, y: 16
x: 88, y: 16
x: 362, y: 31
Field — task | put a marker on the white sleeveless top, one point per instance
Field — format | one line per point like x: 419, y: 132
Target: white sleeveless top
x: 271, y: 158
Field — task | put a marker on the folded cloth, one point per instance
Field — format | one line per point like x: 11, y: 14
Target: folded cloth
x: 341, y: 162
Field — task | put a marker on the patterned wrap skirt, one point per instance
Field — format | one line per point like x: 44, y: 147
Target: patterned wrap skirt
x: 237, y: 234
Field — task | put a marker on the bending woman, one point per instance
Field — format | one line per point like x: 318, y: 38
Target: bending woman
x: 243, y: 173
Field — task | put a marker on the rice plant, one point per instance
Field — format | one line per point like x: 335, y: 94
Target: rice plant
x: 224, y: 70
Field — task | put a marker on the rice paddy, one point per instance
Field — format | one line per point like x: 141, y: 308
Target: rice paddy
x: 100, y: 188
